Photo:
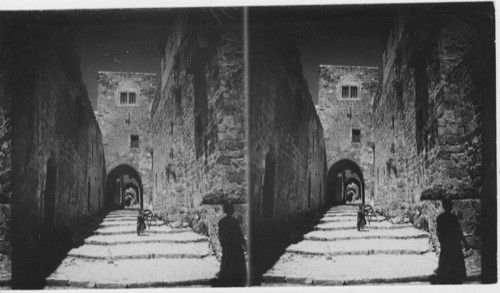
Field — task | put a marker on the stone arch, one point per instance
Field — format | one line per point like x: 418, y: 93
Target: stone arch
x: 340, y: 175
x: 118, y: 180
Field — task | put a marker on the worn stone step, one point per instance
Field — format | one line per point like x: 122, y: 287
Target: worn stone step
x: 347, y: 219
x: 351, y: 269
x: 341, y: 214
x: 121, y: 219
x: 126, y: 211
x: 133, y: 273
x: 333, y: 235
x: 176, y: 236
x: 352, y: 225
x: 121, y: 216
x: 142, y: 251
x: 361, y: 247
x: 128, y: 223
x: 121, y: 229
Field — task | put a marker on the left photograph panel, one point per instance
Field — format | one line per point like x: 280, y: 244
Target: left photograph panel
x: 122, y: 149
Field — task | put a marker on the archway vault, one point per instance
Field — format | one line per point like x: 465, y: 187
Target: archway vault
x: 340, y: 174
x: 118, y: 180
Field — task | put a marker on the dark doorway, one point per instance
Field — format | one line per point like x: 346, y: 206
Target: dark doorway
x: 268, y: 188
x: 50, y: 193
x: 309, y: 193
x: 345, y: 183
x: 88, y: 197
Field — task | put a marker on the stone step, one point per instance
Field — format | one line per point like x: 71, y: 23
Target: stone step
x: 121, y: 216
x: 128, y: 223
x: 121, y: 219
x: 351, y: 269
x: 341, y: 214
x: 142, y: 251
x: 120, y: 229
x: 133, y: 273
x: 361, y: 247
x: 334, y: 235
x: 176, y: 236
x: 352, y: 225
x: 347, y: 219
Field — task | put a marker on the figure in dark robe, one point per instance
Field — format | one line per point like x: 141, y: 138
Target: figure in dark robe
x: 451, y: 269
x: 233, y: 270
x: 361, y: 221
x: 141, y: 223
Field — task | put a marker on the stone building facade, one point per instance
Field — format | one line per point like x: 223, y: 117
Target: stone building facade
x: 198, y: 125
x: 430, y: 117
x: 123, y: 112
x: 286, y: 146
x: 344, y: 107
x: 58, y: 158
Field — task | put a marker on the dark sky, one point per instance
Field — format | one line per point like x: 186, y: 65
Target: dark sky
x: 119, y: 47
x: 336, y: 34
x: 128, y: 39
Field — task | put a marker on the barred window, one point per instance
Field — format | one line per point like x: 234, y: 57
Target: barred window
x: 345, y: 92
x: 131, y: 98
x: 123, y: 98
x: 354, y: 92
x: 128, y: 98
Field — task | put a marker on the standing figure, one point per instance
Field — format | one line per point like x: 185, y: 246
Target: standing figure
x: 141, y: 223
x: 233, y: 270
x: 361, y: 218
x: 451, y: 268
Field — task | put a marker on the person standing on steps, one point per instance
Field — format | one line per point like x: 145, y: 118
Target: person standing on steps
x: 233, y: 270
x: 361, y: 221
x: 451, y: 268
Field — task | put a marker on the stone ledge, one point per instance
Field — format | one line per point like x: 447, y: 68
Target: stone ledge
x: 439, y: 192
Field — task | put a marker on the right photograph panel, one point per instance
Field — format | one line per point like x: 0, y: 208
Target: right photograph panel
x: 371, y: 140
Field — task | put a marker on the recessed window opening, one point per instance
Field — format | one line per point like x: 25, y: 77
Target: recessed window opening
x: 354, y: 92
x: 128, y: 98
x: 134, y: 141
x: 345, y: 92
x: 356, y: 136
x: 349, y: 92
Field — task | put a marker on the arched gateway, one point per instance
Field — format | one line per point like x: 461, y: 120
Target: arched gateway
x: 345, y: 183
x: 123, y: 188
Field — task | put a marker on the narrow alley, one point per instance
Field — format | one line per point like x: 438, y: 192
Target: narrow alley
x: 116, y: 257
x: 336, y: 253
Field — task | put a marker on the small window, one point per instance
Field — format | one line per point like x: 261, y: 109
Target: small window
x: 128, y: 98
x: 354, y: 92
x: 123, y: 98
x: 349, y: 92
x: 134, y: 141
x: 345, y: 92
x: 356, y: 136
x: 131, y: 98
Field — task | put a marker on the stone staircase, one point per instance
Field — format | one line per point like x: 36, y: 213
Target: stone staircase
x: 116, y: 257
x: 336, y: 253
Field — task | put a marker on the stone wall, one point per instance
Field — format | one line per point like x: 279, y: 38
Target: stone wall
x: 120, y: 121
x: 5, y: 181
x: 286, y: 146
x: 58, y: 170
x: 341, y: 115
x: 427, y: 123
x: 198, y: 126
